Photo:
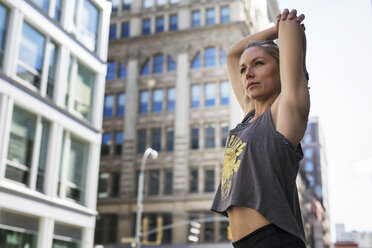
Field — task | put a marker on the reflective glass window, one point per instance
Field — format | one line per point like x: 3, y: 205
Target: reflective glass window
x: 158, y: 64
x: 159, y: 24
x: 120, y: 110
x: 171, y: 99
x: 115, y: 5
x: 196, y: 63
x: 195, y: 96
x: 209, y: 17
x: 224, y: 91
x: 106, y: 144
x: 146, y: 26
x: 225, y: 14
x: 103, y: 185
x: 168, y: 189
x: 43, y: 4
x: 157, y: 101
x: 141, y: 145
x: 173, y: 22
x: 209, y: 137
x: 51, y: 69
x: 171, y: 64
x: 127, y: 4
x: 108, y: 109
x: 193, y: 182
x: 144, y: 100
x: 224, y: 135
x: 84, y: 88
x: 210, y: 57
x: 122, y: 71
x: 111, y: 70
x: 89, y: 24
x: 194, y: 137
x: 118, y: 143
x: 210, y: 94
x: 145, y: 70
x: 3, y: 27
x: 154, y: 182
x: 170, y: 140
x: 112, y: 35
x: 222, y: 57
x: 156, y: 139
x: 125, y: 29
x: 195, y: 19
x: 148, y: 3
x: 209, y: 180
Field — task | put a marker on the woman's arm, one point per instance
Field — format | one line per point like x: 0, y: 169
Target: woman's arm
x: 291, y: 110
x: 233, y: 59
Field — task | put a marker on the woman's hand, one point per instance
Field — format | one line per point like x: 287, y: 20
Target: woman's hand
x: 289, y: 15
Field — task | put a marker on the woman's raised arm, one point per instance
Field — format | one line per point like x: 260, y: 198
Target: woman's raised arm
x: 233, y: 59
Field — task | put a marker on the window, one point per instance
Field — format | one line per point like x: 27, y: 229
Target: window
x: 148, y: 3
x: 309, y: 166
x: 58, y: 10
x: 161, y: 2
x: 3, y: 31
x: 168, y: 188
x: 210, y: 57
x: 66, y: 236
x: 157, y: 101
x: 222, y: 57
x: 102, y: 185
x: 145, y: 70
x: 42, y: 4
x: 125, y: 30
x: 159, y: 24
x: 225, y: 91
x: 127, y: 4
x: 112, y: 35
x: 18, y: 230
x: 171, y: 99
x: 195, y: 19
x: 115, y: 184
x: 152, y: 222
x: 156, y: 139
x: 122, y: 71
x: 209, y: 228
x: 83, y: 94
x: 158, y: 64
x: 225, y: 14
x: 170, y: 140
x: 88, y: 26
x: 43, y: 155
x: 115, y: 6
x: 146, y: 26
x: 141, y: 141
x: 173, y: 22
x: 51, y: 70
x: 171, y: 64
x: 108, y: 109
x: 76, y: 175
x: 194, y: 137
x: 106, y: 230
x: 224, y: 134
x: 193, y: 180
x: 195, y: 96
x: 209, y: 17
x: 106, y: 144
x: 196, y: 63
x: 154, y: 182
x: 174, y: 1
x: 31, y: 55
x: 310, y: 178
x: 210, y: 94
x: 144, y: 101
x: 21, y: 150
x: 118, y: 143
x: 308, y: 153
x: 120, y: 109
x: 307, y: 138
x: 111, y: 70
x: 209, y: 180
x: 209, y: 137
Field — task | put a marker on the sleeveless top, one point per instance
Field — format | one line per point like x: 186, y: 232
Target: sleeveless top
x: 259, y: 171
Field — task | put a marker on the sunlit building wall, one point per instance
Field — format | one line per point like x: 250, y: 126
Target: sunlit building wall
x: 52, y: 80
x: 168, y: 88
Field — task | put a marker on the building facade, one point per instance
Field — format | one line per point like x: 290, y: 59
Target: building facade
x: 314, y: 190
x: 52, y: 80
x: 168, y: 88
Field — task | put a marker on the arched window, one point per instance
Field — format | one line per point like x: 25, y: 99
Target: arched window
x: 210, y: 57
x: 171, y: 64
x: 196, y: 62
x: 158, y: 64
x: 145, y: 70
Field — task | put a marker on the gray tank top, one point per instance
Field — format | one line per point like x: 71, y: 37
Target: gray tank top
x: 259, y: 171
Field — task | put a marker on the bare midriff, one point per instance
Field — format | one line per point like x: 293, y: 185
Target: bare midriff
x: 244, y: 220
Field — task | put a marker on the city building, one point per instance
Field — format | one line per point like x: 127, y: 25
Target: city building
x: 167, y: 88
x: 52, y: 80
x: 362, y: 239
x: 313, y: 193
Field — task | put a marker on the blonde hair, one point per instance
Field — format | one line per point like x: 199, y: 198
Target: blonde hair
x: 269, y: 46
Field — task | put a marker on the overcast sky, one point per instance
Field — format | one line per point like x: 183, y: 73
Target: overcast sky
x: 339, y: 61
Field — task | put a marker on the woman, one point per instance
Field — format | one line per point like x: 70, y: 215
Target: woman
x: 258, y: 190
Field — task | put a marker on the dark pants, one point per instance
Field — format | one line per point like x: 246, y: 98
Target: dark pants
x: 269, y: 236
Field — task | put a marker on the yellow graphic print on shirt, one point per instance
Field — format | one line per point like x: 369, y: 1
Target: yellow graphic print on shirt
x: 230, y: 164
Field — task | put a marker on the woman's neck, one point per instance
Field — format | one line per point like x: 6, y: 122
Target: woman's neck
x: 261, y: 106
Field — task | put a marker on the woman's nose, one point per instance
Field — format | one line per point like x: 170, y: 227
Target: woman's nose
x: 248, y: 72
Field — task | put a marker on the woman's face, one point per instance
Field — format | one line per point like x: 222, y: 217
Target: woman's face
x: 260, y: 74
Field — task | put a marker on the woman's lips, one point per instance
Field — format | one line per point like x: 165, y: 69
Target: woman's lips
x: 251, y: 84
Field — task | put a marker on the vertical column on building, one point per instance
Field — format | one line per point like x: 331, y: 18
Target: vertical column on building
x: 180, y: 168
x: 46, y: 230
x: 128, y: 169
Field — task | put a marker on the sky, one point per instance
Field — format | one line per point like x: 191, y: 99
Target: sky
x: 339, y: 62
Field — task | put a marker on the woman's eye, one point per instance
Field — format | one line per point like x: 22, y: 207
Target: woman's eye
x: 259, y: 63
x: 242, y: 70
